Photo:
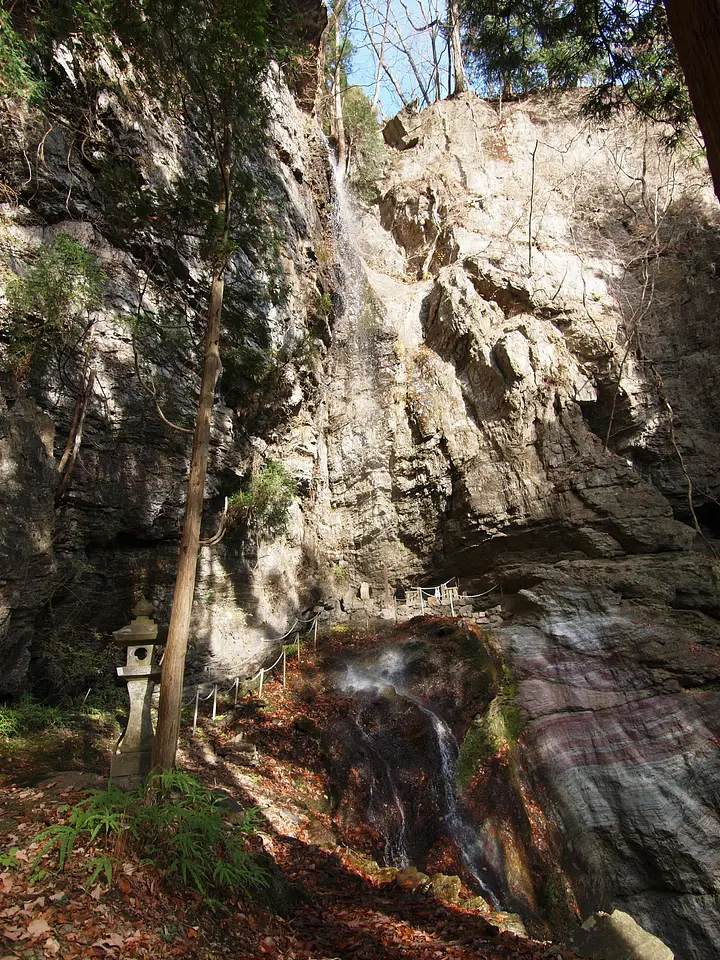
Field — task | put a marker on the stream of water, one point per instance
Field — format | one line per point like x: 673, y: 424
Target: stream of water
x: 386, y: 677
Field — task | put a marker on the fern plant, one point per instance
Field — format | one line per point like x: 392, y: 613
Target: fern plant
x: 182, y: 831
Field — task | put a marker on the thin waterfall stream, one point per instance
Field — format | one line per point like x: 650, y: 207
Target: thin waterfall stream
x: 351, y: 278
x: 381, y: 691
x: 399, y: 803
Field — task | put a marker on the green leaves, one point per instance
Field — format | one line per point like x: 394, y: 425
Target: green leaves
x: 46, y: 306
x: 182, y: 832
x: 266, y: 503
x: 16, y: 78
x: 621, y: 51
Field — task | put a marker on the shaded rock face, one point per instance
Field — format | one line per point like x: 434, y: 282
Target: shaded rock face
x: 624, y: 720
x: 71, y: 573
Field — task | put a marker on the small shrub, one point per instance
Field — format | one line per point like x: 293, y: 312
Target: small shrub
x: 182, y: 832
x: 265, y: 505
x: 15, y: 76
x: 45, y: 306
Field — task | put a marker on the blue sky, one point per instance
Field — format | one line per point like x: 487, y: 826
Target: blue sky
x: 408, y: 19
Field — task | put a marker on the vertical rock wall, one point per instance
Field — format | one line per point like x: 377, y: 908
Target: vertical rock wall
x: 528, y: 401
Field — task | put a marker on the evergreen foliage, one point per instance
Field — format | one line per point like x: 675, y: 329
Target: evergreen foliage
x: 183, y: 833
x: 265, y: 505
x: 46, y: 308
x: 621, y: 49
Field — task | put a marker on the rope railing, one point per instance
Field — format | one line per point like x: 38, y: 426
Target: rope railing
x: 260, y: 675
x: 445, y: 592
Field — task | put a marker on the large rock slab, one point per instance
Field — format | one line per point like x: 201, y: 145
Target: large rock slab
x: 617, y: 936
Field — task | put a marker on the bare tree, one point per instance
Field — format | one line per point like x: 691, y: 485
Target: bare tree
x: 457, y: 56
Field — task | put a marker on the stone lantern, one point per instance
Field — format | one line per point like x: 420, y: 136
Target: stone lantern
x: 132, y: 755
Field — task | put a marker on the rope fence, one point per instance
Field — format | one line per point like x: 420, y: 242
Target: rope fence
x: 260, y: 676
x: 442, y: 593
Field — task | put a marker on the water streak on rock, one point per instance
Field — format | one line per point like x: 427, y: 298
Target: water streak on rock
x: 387, y: 677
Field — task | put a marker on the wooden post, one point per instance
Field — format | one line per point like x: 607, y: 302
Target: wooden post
x: 422, y: 601
x: 262, y: 678
x: 284, y: 667
x: 315, y: 634
x: 452, y: 606
x: 395, y: 606
x: 214, y: 710
x: 197, y: 699
x: 237, y: 689
x: 298, y: 645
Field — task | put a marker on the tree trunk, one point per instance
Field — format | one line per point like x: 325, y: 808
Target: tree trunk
x: 173, y: 672
x: 695, y: 29
x: 74, y: 440
x: 457, y: 57
x: 337, y: 101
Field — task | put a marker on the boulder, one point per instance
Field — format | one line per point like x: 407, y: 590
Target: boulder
x: 616, y: 936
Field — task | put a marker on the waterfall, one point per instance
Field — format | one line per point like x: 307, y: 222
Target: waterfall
x: 386, y: 678
x: 350, y: 270
x: 462, y: 832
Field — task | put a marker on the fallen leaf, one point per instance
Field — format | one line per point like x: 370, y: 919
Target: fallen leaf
x: 37, y: 927
x: 51, y: 947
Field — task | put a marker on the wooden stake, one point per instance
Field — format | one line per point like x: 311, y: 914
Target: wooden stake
x: 214, y: 712
x: 284, y: 667
x: 262, y: 678
x: 197, y: 699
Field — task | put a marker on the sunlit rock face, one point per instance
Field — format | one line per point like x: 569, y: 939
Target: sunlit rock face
x: 528, y: 399
x: 534, y: 366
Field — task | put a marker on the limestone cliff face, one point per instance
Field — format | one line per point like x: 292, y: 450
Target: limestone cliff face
x: 527, y: 399
x: 71, y: 571
x: 516, y: 385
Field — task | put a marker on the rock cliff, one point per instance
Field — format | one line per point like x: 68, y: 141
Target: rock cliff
x: 504, y: 371
x: 527, y: 401
x: 71, y: 570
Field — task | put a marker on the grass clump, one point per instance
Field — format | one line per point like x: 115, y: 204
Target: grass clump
x: 29, y: 716
x: 171, y: 820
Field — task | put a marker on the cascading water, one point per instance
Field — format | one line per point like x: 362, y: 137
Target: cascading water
x: 351, y: 280
x: 385, y: 678
x: 396, y: 837
x: 462, y: 832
